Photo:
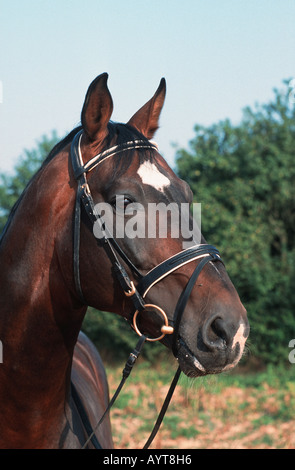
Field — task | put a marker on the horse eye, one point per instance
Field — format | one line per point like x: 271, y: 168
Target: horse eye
x: 127, y: 201
x: 121, y: 203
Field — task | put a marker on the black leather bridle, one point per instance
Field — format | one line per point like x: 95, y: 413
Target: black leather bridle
x: 144, y: 283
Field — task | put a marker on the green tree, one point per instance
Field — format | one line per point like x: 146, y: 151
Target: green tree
x: 244, y: 177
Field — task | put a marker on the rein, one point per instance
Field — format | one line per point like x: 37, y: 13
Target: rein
x: 137, y: 293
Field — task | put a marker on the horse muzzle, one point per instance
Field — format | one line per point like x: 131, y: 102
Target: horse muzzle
x: 215, y: 347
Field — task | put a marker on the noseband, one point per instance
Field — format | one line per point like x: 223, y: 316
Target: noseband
x: 144, y: 283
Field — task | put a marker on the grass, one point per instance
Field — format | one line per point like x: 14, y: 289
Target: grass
x: 232, y: 410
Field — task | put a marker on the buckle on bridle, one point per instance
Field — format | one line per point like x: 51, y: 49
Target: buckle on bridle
x: 131, y: 291
x: 166, y: 329
x: 86, y: 187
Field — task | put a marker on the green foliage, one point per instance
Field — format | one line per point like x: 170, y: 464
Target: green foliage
x: 244, y: 177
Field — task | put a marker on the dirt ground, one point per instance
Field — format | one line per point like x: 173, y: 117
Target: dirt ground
x: 231, y: 418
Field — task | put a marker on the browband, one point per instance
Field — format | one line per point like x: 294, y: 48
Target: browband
x: 78, y: 165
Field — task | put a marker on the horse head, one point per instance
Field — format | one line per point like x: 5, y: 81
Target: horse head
x: 177, y: 282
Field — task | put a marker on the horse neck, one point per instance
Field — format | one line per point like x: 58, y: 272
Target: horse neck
x: 39, y: 319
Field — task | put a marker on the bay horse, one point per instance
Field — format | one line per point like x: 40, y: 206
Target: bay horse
x: 53, y: 267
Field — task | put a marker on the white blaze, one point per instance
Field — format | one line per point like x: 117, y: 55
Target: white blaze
x: 150, y: 174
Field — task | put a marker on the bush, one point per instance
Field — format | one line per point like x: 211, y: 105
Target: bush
x: 244, y: 177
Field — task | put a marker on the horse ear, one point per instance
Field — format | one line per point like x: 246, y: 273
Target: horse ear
x: 97, y: 108
x: 146, y: 120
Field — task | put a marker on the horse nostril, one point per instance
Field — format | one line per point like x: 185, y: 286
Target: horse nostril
x: 215, y: 335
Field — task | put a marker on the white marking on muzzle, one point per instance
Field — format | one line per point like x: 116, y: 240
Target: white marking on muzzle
x: 239, y: 337
x: 150, y: 174
x: 198, y: 365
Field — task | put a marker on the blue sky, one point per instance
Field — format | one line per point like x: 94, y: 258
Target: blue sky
x: 217, y: 56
